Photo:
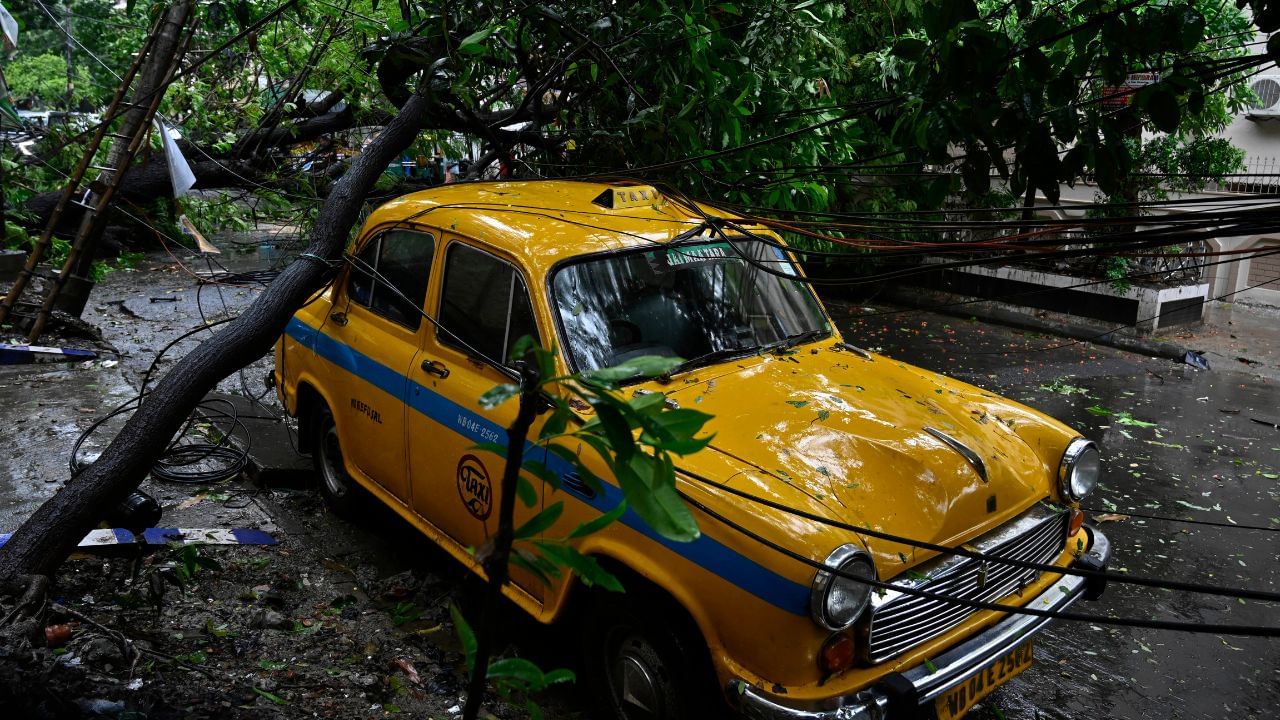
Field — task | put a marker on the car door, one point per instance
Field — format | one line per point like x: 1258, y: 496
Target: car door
x: 483, y: 307
x: 375, y: 321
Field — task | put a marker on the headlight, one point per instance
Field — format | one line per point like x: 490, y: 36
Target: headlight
x: 1079, y: 471
x: 836, y: 602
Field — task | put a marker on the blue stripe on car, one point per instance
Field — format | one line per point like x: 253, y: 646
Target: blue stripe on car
x: 706, y: 551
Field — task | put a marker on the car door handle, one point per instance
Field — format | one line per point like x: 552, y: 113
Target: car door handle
x: 433, y: 367
x: 339, y: 318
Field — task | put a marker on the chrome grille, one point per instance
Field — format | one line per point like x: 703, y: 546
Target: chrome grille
x: 900, y: 621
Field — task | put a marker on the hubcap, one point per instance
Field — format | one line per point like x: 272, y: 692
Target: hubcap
x: 331, y: 468
x: 635, y: 682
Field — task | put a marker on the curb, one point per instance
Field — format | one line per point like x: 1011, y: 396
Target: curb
x: 987, y: 310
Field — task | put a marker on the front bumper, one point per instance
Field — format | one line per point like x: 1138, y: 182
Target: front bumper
x: 910, y: 693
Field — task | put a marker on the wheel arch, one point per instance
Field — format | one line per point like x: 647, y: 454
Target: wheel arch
x: 647, y: 597
x: 657, y: 589
x: 308, y: 399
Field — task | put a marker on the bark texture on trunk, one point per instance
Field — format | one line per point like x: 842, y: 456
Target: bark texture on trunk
x: 41, y: 543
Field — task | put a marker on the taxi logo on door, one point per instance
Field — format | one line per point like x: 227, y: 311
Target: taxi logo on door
x: 474, y: 487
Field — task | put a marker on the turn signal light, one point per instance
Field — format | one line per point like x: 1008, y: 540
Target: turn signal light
x: 1077, y: 519
x: 837, y: 654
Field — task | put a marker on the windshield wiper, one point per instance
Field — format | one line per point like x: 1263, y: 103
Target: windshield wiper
x: 791, y: 341
x: 743, y: 351
x: 710, y: 357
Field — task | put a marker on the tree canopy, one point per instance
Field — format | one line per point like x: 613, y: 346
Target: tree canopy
x: 803, y: 105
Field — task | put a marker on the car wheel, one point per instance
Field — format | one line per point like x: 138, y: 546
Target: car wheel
x: 339, y: 490
x: 641, y: 665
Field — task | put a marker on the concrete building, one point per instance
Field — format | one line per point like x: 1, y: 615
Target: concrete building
x: 1257, y: 132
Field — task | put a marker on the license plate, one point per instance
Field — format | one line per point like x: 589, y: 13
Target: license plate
x: 955, y: 702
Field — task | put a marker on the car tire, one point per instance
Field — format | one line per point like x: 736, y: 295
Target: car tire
x: 340, y: 491
x: 642, y: 661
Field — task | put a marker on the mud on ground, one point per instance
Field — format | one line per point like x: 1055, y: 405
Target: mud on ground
x: 290, y: 631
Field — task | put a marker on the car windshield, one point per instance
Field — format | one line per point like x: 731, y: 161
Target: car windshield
x: 702, y: 302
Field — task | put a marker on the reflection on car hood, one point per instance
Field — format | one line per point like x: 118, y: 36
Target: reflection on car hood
x: 850, y: 433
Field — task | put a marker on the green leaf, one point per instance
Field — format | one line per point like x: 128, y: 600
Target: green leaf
x: 523, y: 346
x: 673, y: 431
x: 648, y: 403
x: 542, y: 472
x: 1163, y: 108
x: 1125, y: 418
x: 557, y: 423
x: 473, y: 44
x: 539, y: 523
x: 539, y: 566
x: 600, y: 523
x: 592, y: 480
x: 644, y: 366
x: 559, y: 675
x: 525, y: 491
x: 658, y: 504
x: 466, y: 636
x: 272, y: 664
x: 208, y: 563
x: 517, y: 669
x: 617, y: 431
x: 909, y: 48
x: 585, y: 566
x: 683, y: 422
x: 498, y: 394
x: 270, y: 696
x: 798, y: 403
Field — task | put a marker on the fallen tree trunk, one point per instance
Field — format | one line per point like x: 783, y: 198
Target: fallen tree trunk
x: 146, y: 181
x: 41, y: 543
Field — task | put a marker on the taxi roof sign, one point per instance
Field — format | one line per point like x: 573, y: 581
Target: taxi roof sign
x: 617, y: 198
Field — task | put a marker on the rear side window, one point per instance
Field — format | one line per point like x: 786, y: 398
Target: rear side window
x: 390, y: 275
x: 484, y: 307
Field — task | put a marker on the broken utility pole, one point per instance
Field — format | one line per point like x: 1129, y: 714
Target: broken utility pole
x: 153, y: 70
x: 41, y: 543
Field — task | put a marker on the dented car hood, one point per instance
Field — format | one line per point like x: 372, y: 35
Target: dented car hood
x: 874, y: 442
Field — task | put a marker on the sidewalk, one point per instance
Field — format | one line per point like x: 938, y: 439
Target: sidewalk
x: 1235, y: 336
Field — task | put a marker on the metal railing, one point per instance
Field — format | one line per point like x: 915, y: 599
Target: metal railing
x: 1260, y: 175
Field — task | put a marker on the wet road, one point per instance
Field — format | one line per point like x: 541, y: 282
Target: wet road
x: 1178, y: 443
x: 139, y: 312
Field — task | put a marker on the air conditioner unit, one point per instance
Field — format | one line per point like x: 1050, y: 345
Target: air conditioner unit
x: 1267, y: 88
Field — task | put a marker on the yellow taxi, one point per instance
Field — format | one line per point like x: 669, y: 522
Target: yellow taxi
x: 837, y: 479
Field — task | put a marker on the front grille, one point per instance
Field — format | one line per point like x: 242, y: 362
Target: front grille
x: 900, y: 621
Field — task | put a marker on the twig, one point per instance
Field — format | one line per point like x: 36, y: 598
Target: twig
x: 127, y: 648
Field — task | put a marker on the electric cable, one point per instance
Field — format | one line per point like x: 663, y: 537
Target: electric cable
x: 1190, y: 587
x: 961, y: 551
x: 1166, y: 518
x: 1191, y: 627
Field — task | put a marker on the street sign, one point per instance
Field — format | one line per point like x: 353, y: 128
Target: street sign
x: 1118, y: 96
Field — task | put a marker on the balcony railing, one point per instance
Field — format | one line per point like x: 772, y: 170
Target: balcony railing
x: 1261, y: 175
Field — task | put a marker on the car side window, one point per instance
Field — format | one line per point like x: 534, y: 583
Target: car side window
x: 390, y: 275
x: 484, y: 306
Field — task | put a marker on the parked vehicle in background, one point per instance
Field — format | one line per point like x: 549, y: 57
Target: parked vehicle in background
x: 772, y: 609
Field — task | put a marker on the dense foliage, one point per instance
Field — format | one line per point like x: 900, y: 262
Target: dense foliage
x: 803, y: 105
